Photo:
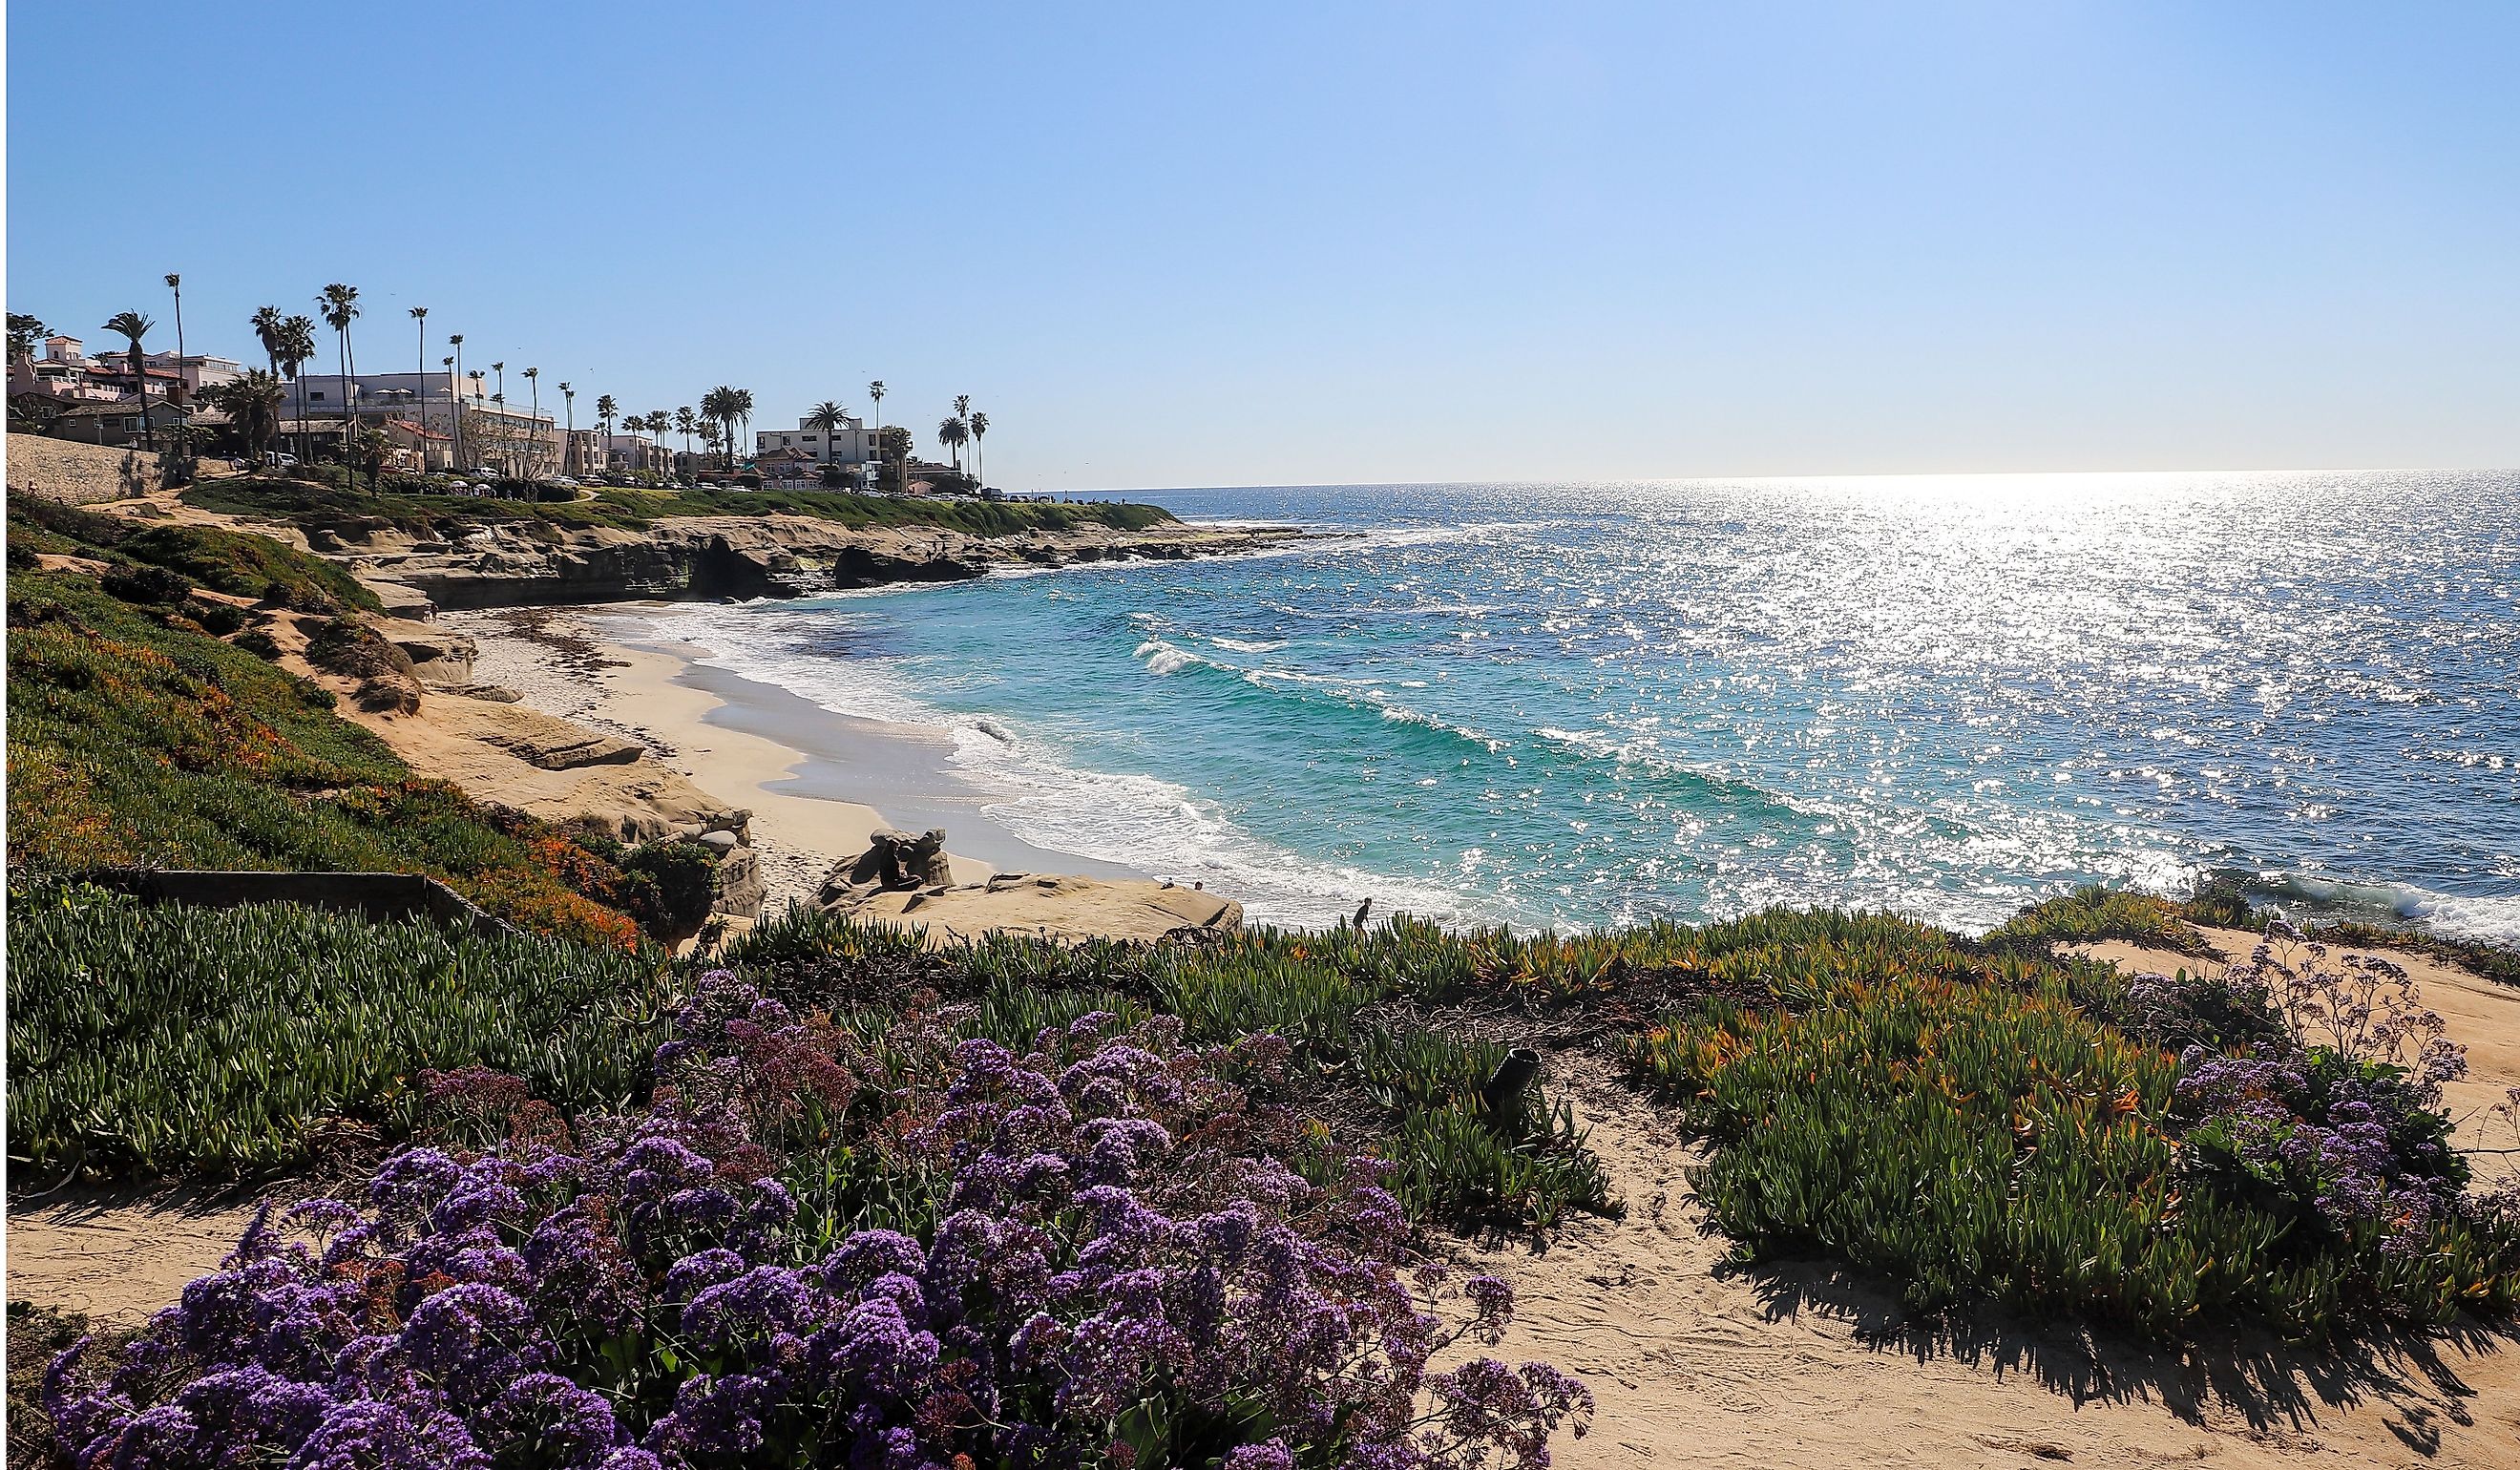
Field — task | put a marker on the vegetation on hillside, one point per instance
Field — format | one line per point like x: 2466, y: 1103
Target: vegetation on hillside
x: 312, y: 505
x: 138, y: 740
x: 234, y: 562
x: 173, y: 1040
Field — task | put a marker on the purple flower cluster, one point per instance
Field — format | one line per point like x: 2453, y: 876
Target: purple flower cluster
x: 1089, y: 1256
x: 2342, y: 1113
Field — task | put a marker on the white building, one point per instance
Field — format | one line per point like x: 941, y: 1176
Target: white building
x: 852, y: 445
x: 198, y: 371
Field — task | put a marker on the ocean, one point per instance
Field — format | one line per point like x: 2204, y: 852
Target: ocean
x: 1572, y: 705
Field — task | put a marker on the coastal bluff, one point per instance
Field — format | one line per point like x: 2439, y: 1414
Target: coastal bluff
x: 494, y: 563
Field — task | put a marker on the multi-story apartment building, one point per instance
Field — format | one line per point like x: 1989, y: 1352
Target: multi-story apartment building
x: 851, y: 445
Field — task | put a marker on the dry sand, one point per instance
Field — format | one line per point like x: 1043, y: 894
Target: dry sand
x: 117, y: 1258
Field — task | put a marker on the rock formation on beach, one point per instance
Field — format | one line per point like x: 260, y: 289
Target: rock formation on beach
x: 908, y: 880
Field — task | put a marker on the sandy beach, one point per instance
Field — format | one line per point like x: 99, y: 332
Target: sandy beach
x: 816, y: 781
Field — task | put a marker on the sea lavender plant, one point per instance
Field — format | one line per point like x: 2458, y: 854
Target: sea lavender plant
x: 2339, y: 1118
x: 1114, y: 1272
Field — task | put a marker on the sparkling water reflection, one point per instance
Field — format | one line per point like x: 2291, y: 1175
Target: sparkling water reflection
x: 1579, y: 704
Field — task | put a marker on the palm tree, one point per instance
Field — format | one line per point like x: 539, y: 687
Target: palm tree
x: 979, y: 432
x: 456, y: 342
x: 296, y: 350
x: 744, y: 410
x: 686, y: 423
x: 534, y: 425
x: 718, y: 403
x: 607, y: 409
x: 132, y: 325
x: 266, y: 330
x: 176, y: 284
x: 504, y: 426
x: 419, y: 384
x: 570, y: 442
x: 874, y: 390
x: 659, y: 422
x: 953, y: 433
x: 341, y: 307
x: 253, y: 401
x: 829, y: 417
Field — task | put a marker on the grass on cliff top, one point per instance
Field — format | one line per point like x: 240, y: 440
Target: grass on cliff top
x: 312, y: 505
x: 234, y: 562
x: 137, y: 739
x: 178, y: 1040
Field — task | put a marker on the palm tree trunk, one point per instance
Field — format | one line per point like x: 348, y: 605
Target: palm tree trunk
x: 140, y: 377
x: 179, y: 346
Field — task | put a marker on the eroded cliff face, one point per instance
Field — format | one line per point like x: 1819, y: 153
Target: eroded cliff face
x: 508, y: 564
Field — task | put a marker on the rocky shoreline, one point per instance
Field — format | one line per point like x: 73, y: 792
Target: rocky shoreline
x: 516, y: 563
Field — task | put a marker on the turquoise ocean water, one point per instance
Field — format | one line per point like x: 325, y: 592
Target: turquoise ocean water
x: 1579, y: 704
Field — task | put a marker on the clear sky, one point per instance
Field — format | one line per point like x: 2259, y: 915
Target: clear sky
x: 1210, y: 243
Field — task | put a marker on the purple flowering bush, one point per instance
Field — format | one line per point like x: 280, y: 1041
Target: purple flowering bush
x: 912, y: 1250
x: 2336, y: 1129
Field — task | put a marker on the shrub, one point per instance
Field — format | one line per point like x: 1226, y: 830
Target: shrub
x: 1978, y: 1143
x: 146, y: 583
x: 350, y: 646
x: 177, y: 1039
x: 669, y: 887
x: 2093, y: 912
x: 260, y: 644
x: 218, y: 620
x: 1084, y: 1253
x: 2334, y: 1124
x: 2221, y: 905
x: 334, y: 506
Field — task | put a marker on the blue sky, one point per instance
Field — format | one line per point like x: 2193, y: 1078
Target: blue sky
x: 1233, y: 244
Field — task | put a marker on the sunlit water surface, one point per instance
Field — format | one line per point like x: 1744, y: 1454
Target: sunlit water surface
x: 1603, y: 703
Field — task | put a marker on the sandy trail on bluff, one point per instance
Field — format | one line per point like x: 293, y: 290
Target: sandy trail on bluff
x: 1700, y: 1361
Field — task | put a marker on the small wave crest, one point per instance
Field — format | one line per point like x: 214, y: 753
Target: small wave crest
x: 1165, y: 658
x: 2466, y: 915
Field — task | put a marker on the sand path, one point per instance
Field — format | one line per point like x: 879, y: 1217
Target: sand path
x: 116, y: 1259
